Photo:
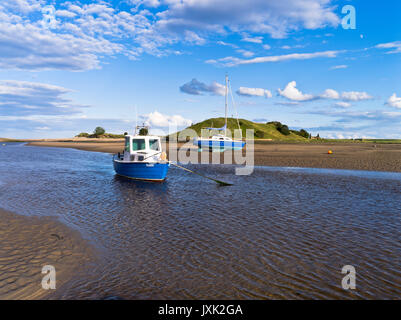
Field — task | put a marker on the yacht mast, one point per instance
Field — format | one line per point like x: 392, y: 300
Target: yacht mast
x: 225, y: 130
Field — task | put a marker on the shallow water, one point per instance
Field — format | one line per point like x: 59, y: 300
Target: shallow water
x: 278, y: 233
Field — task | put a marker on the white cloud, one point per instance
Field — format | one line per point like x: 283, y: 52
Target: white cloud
x: 297, y: 46
x: 222, y: 43
x: 83, y: 34
x: 394, y: 101
x: 292, y: 93
x: 196, y: 87
x: 23, y: 98
x: 346, y: 96
x: 355, y: 96
x: 65, y: 14
x: 287, y: 103
x: 152, y: 3
x: 340, y: 136
x: 59, y: 126
x: 146, y: 3
x: 72, y: 44
x: 396, y: 45
x: 257, y: 92
x: 23, y: 6
x: 266, y: 47
x: 232, y: 61
x: 330, y: 94
x: 392, y: 114
x: 343, y: 104
x: 36, y: 49
x: 342, y: 66
x: 192, y: 37
x: 257, y: 16
x: 158, y: 120
x: 246, y: 53
x: 375, y: 124
x: 252, y: 39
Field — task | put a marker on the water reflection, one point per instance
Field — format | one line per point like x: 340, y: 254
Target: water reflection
x: 279, y: 233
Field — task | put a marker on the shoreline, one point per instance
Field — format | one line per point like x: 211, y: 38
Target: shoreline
x: 30, y: 242
x: 349, y: 156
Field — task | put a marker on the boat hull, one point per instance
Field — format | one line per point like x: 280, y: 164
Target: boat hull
x: 215, y: 144
x: 141, y: 171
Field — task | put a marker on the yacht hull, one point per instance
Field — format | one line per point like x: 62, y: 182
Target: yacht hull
x: 215, y: 144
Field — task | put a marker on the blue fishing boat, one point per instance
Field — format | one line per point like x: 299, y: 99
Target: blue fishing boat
x: 142, y: 159
x: 221, y: 142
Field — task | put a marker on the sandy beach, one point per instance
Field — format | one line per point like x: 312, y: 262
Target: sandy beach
x: 353, y: 156
x: 28, y: 244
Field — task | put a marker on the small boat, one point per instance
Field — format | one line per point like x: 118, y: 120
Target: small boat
x: 142, y: 159
x: 221, y: 141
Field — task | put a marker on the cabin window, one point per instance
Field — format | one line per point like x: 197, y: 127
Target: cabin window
x: 154, y: 144
x: 138, y: 144
x: 126, y: 144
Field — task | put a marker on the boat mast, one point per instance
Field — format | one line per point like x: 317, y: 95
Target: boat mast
x: 136, y: 119
x: 235, y: 108
x: 225, y: 130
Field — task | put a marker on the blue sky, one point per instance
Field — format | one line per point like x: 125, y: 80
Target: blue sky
x: 69, y: 66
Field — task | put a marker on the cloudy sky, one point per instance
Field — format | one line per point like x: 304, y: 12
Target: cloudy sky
x: 69, y: 66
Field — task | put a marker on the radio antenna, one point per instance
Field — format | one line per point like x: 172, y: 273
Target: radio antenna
x: 136, y: 119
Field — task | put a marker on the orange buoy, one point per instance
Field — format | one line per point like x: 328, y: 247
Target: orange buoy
x: 330, y: 152
x: 163, y: 156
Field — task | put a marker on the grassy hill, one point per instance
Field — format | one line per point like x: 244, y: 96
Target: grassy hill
x: 269, y: 130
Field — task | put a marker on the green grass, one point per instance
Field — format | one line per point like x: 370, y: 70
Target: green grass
x: 269, y: 130
x: 105, y: 135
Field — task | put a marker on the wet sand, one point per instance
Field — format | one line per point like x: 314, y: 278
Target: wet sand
x: 108, y: 147
x: 358, y: 156
x: 353, y: 156
x: 28, y: 244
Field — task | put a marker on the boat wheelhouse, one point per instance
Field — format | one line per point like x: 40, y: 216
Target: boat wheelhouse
x: 142, y: 159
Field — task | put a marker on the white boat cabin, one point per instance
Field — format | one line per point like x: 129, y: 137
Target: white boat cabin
x: 221, y: 137
x: 142, y: 149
